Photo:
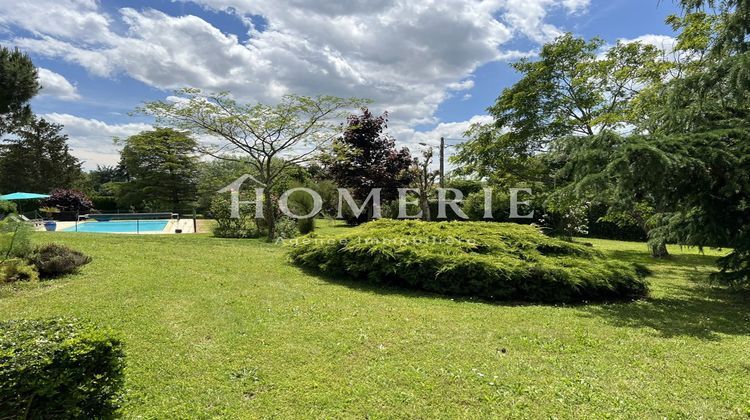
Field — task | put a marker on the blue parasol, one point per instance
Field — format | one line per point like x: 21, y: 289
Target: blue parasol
x: 22, y: 196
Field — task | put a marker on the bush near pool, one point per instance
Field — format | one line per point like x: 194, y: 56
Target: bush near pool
x: 495, y: 261
x: 57, y: 368
x: 53, y: 260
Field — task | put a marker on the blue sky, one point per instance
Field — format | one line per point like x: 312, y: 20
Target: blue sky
x: 434, y: 65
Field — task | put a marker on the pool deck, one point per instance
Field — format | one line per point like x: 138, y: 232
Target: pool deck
x: 185, y: 224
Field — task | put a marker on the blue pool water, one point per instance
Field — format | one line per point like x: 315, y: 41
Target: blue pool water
x: 120, y: 226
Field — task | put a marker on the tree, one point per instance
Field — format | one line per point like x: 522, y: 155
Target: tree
x: 163, y: 168
x: 104, y: 174
x: 18, y: 84
x: 103, y: 181
x: 572, y: 93
x: 590, y: 174
x: 270, y: 138
x: 37, y: 159
x: 696, y: 166
x: 214, y: 175
x: 425, y: 181
x: 706, y: 137
x: 364, y: 157
x: 571, y: 90
x: 68, y: 200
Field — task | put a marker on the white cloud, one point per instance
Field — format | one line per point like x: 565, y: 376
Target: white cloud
x: 91, y: 140
x: 405, y: 55
x: 665, y: 43
x: 527, y: 17
x: 54, y: 84
x: 450, y: 130
x: 408, y: 56
x: 79, y: 20
x: 453, y: 132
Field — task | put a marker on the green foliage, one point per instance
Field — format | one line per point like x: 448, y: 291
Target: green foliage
x: 53, y: 260
x: 216, y: 174
x: 15, y: 238
x: 571, y: 89
x: 102, y: 185
x: 305, y: 226
x: 18, y: 84
x: 58, y: 368
x: 691, y: 166
x: 300, y: 202
x: 474, y: 205
x: 287, y: 228
x: 466, y: 186
x: 17, y: 269
x: 228, y: 227
x: 104, y: 203
x: 7, y: 207
x: 163, y: 168
x: 258, y: 134
x: 495, y: 261
x: 566, y: 217
x: 37, y: 159
x: 330, y: 196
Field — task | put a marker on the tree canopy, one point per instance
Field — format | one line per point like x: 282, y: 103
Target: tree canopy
x: 162, y: 167
x: 18, y: 84
x: 662, y: 141
x: 269, y: 138
x: 365, y: 157
x: 572, y: 89
x: 37, y: 159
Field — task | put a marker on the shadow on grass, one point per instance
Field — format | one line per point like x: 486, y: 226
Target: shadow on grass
x: 685, y: 261
x: 701, y: 312
x: 686, y: 304
x: 387, y: 289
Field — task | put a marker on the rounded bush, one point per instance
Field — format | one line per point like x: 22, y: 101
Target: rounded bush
x: 54, y: 260
x: 495, y: 261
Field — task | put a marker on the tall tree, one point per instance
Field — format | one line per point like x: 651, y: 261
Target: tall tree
x: 163, y: 168
x: 365, y: 157
x: 696, y: 166
x: 37, y: 159
x: 18, y: 84
x: 424, y: 180
x: 571, y: 90
x: 270, y: 138
x: 104, y: 174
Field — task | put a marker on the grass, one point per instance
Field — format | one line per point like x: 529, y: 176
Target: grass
x: 218, y: 327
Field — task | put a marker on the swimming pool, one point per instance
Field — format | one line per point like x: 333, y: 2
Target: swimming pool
x: 120, y: 226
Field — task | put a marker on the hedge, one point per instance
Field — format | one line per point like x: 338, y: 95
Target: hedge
x: 495, y: 261
x: 56, y: 368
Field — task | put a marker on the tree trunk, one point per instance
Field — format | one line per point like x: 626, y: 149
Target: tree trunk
x: 659, y: 250
x: 425, y: 204
x: 269, y: 212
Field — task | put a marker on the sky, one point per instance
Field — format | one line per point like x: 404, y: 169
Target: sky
x: 434, y: 65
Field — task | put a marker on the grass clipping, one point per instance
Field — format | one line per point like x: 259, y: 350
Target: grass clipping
x: 494, y: 261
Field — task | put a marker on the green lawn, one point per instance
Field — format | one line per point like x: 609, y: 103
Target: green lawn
x: 218, y: 327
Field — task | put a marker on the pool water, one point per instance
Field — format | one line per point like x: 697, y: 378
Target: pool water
x: 120, y: 226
